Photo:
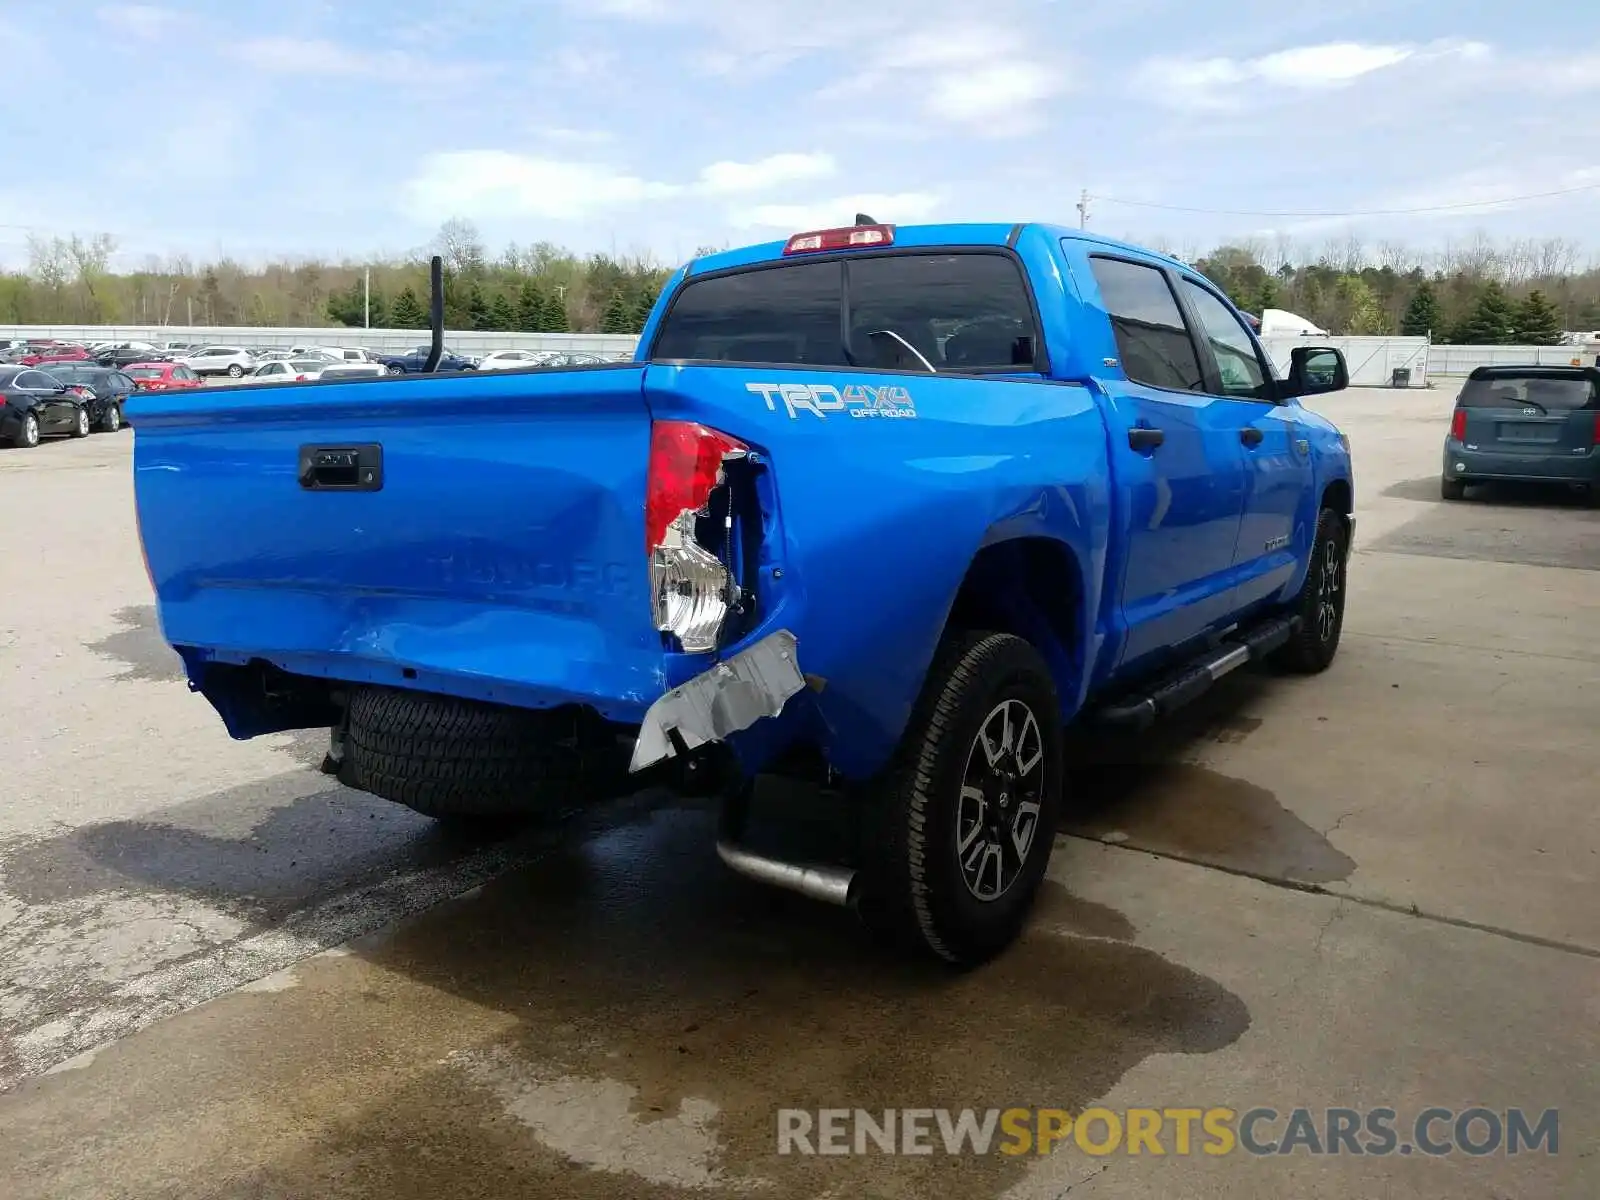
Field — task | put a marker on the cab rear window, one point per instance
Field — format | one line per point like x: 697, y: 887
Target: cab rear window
x: 1524, y: 391
x: 959, y: 312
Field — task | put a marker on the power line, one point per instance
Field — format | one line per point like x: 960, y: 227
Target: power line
x: 1371, y: 212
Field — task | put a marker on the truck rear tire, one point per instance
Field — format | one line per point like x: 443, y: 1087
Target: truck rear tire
x: 460, y: 760
x: 960, y: 835
x: 1320, y: 604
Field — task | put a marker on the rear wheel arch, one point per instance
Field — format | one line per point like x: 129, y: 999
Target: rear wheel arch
x: 1031, y: 587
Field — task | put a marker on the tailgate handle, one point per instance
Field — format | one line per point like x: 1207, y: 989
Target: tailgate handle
x: 341, y: 468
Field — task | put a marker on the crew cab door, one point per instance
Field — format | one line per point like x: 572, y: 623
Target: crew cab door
x: 1177, y: 464
x: 1276, y: 528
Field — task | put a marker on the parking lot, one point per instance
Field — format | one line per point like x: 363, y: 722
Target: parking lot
x: 221, y: 975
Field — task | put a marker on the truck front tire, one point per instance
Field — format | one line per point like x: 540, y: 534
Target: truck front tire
x: 960, y: 835
x: 460, y: 760
x: 1320, y: 604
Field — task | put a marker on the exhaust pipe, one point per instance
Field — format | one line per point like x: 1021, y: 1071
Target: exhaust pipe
x: 831, y: 885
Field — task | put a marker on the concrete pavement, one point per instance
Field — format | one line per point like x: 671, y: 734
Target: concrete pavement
x: 1377, y: 887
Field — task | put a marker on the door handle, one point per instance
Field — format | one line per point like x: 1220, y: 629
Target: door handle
x: 1251, y: 436
x: 1142, y: 437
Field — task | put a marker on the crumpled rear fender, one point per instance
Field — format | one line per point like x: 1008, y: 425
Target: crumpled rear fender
x: 878, y: 519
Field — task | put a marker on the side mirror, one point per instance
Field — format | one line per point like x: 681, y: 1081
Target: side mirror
x: 1314, y: 370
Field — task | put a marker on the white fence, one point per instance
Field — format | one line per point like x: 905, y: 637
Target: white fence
x: 1463, y: 360
x: 1373, y: 361
x: 463, y: 342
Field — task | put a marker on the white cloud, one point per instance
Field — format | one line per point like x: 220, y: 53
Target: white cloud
x: 302, y: 56
x: 1580, y: 74
x: 1229, y: 83
x: 982, y: 77
x: 577, y: 63
x: 985, y: 75
x: 592, y: 137
x: 279, y: 55
x: 143, y: 21
x: 898, y: 208
x: 488, y: 184
x: 725, y: 177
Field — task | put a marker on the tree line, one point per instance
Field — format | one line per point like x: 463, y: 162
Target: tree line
x: 1480, y: 292
x: 1526, y: 293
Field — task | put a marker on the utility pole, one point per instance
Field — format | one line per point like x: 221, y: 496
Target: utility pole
x: 366, y: 299
x: 1083, y: 208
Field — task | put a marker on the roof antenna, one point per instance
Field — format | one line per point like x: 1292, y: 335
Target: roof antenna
x: 863, y: 219
x: 435, y: 313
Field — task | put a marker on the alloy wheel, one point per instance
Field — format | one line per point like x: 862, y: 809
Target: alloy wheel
x: 1328, y: 590
x: 1001, y: 791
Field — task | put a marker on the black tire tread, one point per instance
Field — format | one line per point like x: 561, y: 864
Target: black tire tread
x: 898, y: 900
x: 1452, y: 489
x: 1304, y: 653
x: 446, y: 757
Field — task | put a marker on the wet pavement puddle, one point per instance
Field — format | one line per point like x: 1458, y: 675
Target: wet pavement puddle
x: 623, y: 1018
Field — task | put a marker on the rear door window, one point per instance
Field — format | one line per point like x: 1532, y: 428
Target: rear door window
x: 1530, y: 391
x: 1152, y: 339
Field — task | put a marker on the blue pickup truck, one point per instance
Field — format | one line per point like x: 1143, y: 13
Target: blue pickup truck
x: 883, y: 508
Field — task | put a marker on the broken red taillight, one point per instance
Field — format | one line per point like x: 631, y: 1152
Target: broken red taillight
x: 850, y: 237
x: 692, y: 591
x: 685, y: 465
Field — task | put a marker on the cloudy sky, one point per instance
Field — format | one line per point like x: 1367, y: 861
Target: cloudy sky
x: 355, y: 128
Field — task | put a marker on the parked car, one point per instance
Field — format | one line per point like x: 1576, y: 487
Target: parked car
x: 34, y: 405
x: 359, y: 370
x: 163, y: 377
x: 417, y: 357
x: 294, y: 370
x: 334, y: 353
x: 105, y: 390
x: 1526, y: 424
x: 512, y: 360
x: 233, y: 361
x: 52, y: 352
x: 123, y: 354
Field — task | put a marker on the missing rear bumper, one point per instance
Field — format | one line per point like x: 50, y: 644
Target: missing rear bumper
x: 731, y: 696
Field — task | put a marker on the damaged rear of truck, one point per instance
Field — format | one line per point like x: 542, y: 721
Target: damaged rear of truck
x: 849, y: 515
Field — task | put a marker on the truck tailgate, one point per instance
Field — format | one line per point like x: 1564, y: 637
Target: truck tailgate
x: 496, y: 551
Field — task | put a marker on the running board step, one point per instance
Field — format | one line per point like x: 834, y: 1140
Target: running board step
x: 1194, y: 679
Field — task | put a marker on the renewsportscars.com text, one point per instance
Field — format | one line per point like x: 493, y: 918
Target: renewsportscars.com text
x: 1433, y: 1131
